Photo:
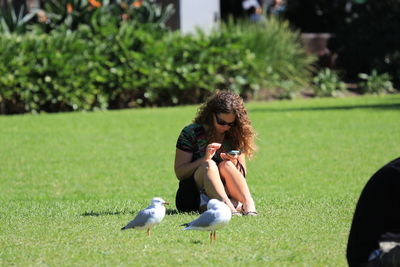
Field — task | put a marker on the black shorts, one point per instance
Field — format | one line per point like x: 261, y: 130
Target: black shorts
x: 188, y: 196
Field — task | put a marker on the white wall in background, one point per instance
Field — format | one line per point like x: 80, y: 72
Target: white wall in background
x: 204, y: 14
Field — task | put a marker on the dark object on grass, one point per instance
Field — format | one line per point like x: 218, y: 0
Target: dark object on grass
x: 377, y: 213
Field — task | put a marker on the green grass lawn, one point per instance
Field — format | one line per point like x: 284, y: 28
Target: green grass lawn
x: 69, y: 182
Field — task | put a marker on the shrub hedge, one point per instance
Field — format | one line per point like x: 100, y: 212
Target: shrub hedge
x: 136, y: 64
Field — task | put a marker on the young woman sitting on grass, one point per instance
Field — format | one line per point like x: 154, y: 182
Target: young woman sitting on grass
x: 204, y: 167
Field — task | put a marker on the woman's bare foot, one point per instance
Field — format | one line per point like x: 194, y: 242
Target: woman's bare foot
x: 239, y: 207
x: 249, y: 208
x: 236, y: 204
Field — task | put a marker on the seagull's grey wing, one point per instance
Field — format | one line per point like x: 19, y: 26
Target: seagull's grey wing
x: 208, y: 218
x: 141, y: 218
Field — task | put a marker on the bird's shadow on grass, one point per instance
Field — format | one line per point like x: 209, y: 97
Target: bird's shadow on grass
x: 172, y: 212
x: 106, y: 213
x: 120, y: 212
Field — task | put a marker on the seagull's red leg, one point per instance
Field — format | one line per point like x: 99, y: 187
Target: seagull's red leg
x: 215, y: 235
x: 211, y: 237
x: 148, y: 232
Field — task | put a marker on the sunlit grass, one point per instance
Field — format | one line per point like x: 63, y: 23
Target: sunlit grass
x: 69, y: 182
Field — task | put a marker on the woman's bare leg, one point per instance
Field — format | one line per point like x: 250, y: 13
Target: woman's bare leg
x: 236, y: 185
x: 207, y: 177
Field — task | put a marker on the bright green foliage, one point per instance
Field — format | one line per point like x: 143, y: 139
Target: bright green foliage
x: 87, y: 55
x: 279, y: 55
x: 111, y: 65
x: 50, y: 72
x: 328, y: 83
x: 70, y: 181
x: 376, y: 83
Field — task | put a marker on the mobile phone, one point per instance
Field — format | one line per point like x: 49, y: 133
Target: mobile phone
x: 234, y: 152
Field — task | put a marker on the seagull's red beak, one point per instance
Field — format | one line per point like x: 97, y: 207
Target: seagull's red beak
x: 166, y: 203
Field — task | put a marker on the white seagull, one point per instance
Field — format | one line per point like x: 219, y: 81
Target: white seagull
x: 217, y: 216
x: 149, y: 217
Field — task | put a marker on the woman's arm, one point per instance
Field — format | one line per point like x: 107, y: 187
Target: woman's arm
x: 183, y: 167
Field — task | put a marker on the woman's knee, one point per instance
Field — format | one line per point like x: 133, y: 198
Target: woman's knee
x: 205, y: 171
x: 209, y: 165
x: 225, y: 166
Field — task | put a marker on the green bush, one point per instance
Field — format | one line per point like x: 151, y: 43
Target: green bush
x: 129, y: 64
x: 279, y: 56
x: 172, y: 68
x: 129, y: 60
x: 375, y: 83
x: 189, y: 67
x: 328, y: 83
x: 49, y: 73
x: 169, y: 69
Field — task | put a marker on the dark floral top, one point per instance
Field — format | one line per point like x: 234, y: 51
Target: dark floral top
x: 193, y: 139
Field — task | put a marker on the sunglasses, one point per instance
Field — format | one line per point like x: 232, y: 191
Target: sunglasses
x: 222, y: 122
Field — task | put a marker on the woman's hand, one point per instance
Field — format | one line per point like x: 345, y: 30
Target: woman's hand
x: 226, y: 156
x: 211, y: 149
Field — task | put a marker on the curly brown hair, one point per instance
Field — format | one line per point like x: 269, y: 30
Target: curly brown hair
x: 241, y: 134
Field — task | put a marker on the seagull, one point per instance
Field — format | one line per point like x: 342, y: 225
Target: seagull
x: 149, y: 217
x: 217, y: 216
